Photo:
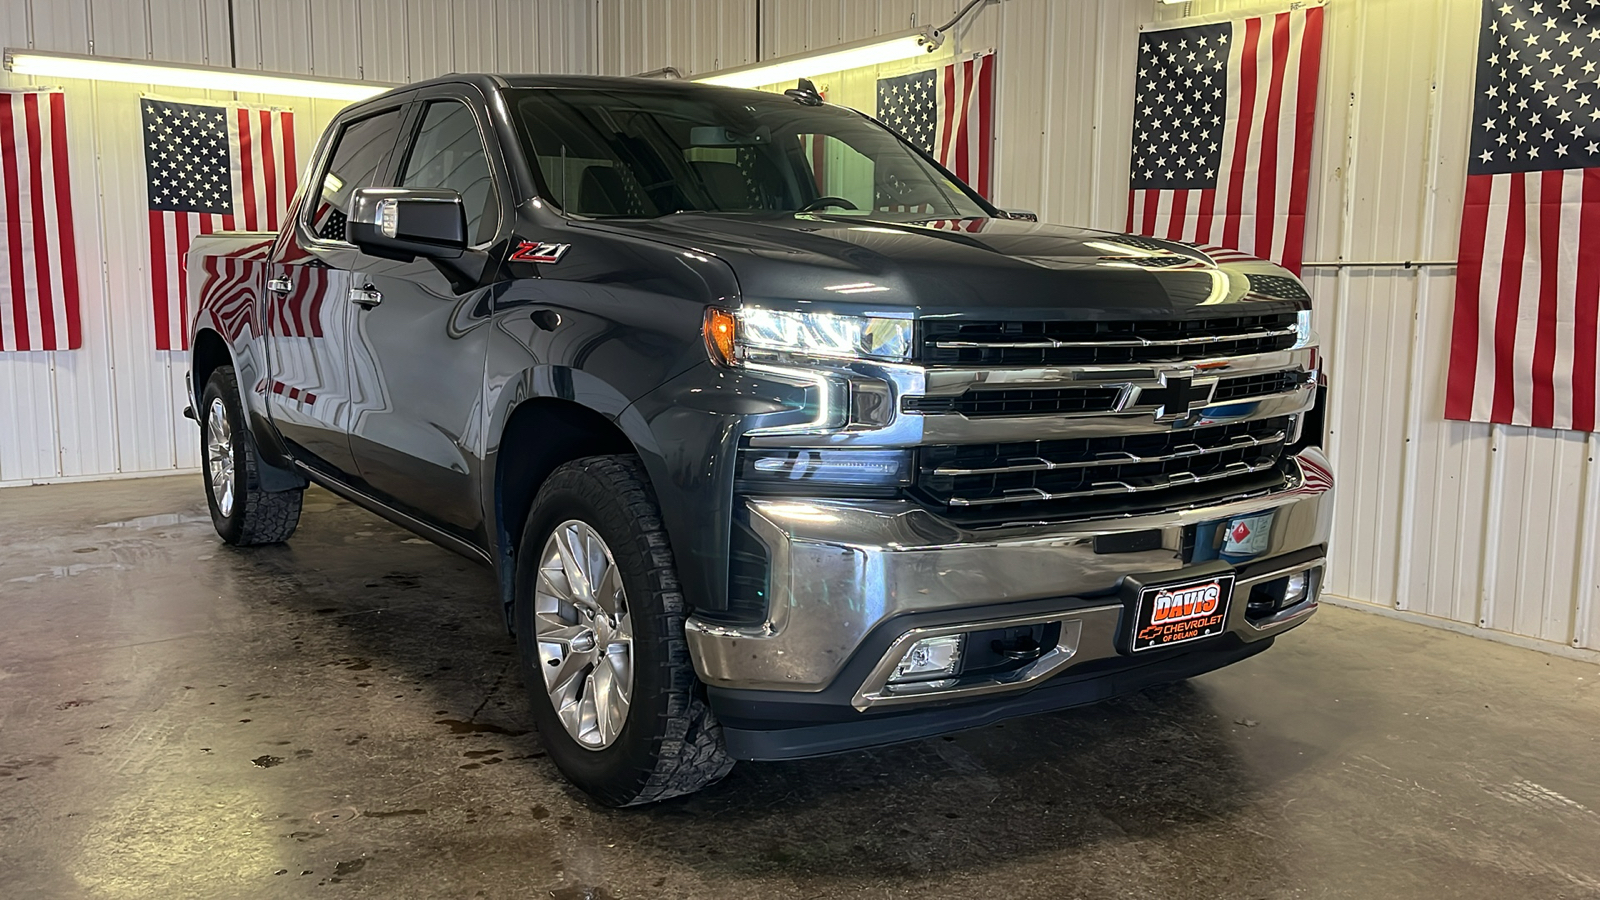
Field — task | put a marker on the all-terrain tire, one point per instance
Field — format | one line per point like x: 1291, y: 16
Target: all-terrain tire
x: 251, y: 516
x: 669, y: 744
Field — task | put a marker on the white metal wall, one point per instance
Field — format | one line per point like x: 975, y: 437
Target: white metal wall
x: 1490, y: 526
x: 111, y: 408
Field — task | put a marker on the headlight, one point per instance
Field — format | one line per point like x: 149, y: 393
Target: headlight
x: 730, y: 337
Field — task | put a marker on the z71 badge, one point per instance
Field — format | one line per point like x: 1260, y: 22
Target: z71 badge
x: 531, y: 252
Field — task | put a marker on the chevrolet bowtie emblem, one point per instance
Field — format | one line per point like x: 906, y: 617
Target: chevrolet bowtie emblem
x: 1179, y: 396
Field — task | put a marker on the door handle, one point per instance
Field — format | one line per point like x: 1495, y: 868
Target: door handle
x: 366, y: 297
x: 279, y: 285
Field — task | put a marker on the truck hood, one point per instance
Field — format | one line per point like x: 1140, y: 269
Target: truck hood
x: 979, y: 268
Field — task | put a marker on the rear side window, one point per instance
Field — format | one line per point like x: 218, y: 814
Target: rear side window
x: 356, y: 160
x: 449, y: 153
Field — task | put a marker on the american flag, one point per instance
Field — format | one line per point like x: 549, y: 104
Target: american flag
x: 1222, y: 133
x: 39, y: 302
x: 208, y: 168
x: 949, y: 113
x: 1527, y: 315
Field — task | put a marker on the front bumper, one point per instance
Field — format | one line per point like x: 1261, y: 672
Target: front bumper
x: 851, y: 583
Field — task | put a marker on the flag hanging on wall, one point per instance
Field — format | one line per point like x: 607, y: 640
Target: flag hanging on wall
x: 1222, y: 133
x: 1527, y: 315
x: 39, y: 302
x: 208, y: 168
x: 949, y: 113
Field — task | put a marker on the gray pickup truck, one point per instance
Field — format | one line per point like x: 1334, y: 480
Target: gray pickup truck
x: 779, y: 439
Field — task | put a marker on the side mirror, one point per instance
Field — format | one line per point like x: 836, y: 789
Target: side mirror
x: 405, y: 223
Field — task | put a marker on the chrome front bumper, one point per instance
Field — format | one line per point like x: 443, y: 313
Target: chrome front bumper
x: 840, y: 570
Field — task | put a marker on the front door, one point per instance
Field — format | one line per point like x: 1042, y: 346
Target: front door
x: 418, y: 441
x: 309, y: 319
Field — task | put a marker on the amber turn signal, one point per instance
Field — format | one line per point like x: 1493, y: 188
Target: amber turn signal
x: 720, y: 329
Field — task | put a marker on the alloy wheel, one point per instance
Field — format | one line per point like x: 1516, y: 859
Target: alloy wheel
x: 219, y: 456
x: 584, y: 633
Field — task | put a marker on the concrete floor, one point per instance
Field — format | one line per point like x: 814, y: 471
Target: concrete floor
x: 341, y: 716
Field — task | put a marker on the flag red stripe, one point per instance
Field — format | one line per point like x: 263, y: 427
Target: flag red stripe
x: 1241, y: 141
x: 1505, y: 325
x: 44, y: 284
x: 286, y: 128
x: 1203, y: 219
x: 1469, y: 275
x: 66, y: 240
x: 1544, y: 342
x: 1267, y: 168
x: 1180, y: 205
x: 963, y: 145
x: 1152, y: 201
x: 8, y: 152
x: 1586, y: 312
x: 246, y: 189
x: 1294, y: 238
x: 269, y: 171
x: 158, y: 277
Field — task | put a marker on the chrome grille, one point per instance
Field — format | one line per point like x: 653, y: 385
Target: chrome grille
x: 986, y: 343
x: 1020, y: 402
x: 1249, y: 386
x: 983, y: 402
x: 1104, y: 476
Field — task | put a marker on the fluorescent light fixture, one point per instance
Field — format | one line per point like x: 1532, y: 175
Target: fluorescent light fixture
x: 870, y: 52
x: 166, y: 74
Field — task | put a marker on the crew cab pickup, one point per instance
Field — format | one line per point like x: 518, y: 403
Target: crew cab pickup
x: 779, y: 439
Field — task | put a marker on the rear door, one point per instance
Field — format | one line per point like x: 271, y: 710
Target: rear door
x: 311, y: 395
x: 418, y: 447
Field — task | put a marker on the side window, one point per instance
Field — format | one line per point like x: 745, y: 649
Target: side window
x: 358, y: 151
x: 448, y: 153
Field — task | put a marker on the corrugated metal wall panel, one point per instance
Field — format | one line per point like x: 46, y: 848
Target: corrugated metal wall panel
x: 1488, y: 526
x: 336, y: 38
x: 112, y: 407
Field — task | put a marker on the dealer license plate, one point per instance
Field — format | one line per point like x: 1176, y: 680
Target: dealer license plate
x: 1180, y: 612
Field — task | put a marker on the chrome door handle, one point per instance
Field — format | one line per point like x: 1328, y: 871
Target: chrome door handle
x: 279, y: 285
x: 366, y: 297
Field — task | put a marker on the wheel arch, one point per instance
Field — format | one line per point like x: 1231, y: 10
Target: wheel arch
x: 208, y: 352
x: 540, y: 434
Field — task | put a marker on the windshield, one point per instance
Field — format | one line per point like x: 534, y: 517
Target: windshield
x: 648, y: 153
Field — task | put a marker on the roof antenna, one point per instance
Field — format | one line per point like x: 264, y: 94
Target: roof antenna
x: 805, y: 92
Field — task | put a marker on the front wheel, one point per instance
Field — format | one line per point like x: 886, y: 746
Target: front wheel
x: 242, y: 512
x: 599, y: 622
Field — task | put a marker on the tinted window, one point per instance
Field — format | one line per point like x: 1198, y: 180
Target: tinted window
x: 448, y: 153
x: 640, y: 152
x: 357, y: 157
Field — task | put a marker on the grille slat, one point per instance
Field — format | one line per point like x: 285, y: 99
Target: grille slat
x: 980, y: 343
x: 978, y: 402
x: 1120, y: 457
x: 1097, y: 476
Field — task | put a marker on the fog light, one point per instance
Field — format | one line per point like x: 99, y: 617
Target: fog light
x: 930, y: 659
x: 1298, y: 586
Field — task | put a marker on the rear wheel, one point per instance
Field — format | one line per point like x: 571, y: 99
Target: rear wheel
x: 242, y: 512
x: 599, y: 621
